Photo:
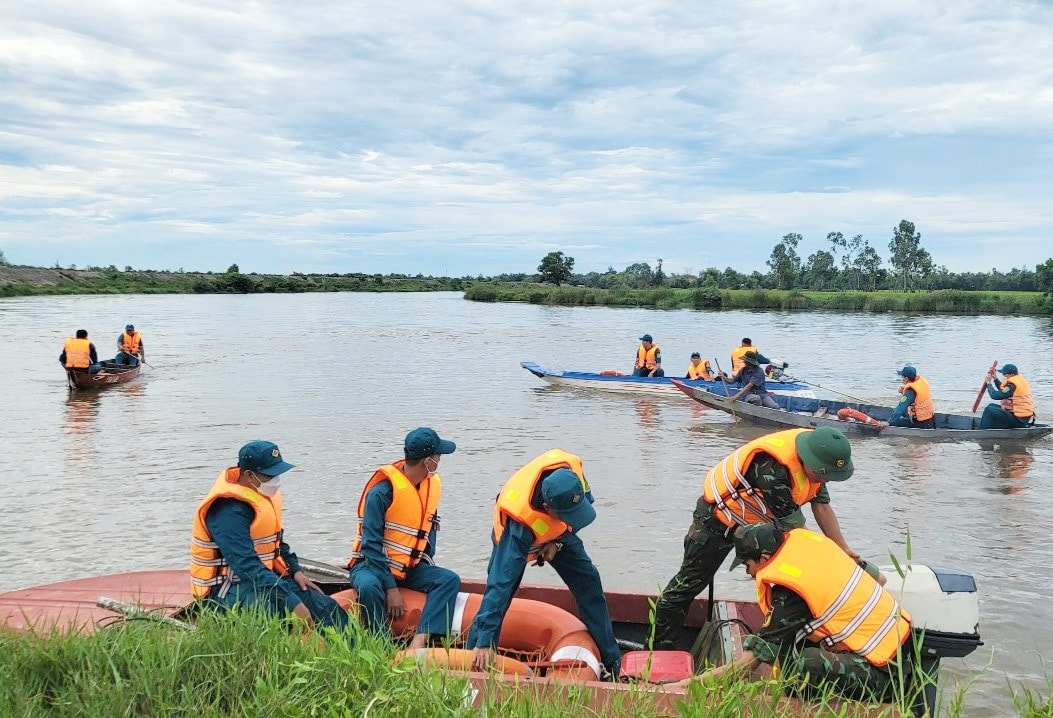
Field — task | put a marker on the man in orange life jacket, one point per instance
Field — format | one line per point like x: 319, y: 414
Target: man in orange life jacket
x: 768, y: 479
x: 863, y: 644
x: 648, y: 358
x: 238, y: 553
x: 130, y: 347
x: 396, y: 540
x: 1017, y: 407
x: 537, y: 516
x: 915, y: 409
x: 699, y: 368
x: 78, y: 354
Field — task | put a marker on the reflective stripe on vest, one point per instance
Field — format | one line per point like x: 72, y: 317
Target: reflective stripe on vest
x: 735, y: 501
x: 645, y: 358
x: 78, y: 353
x: 130, y: 343
x: 851, y: 611
x: 1020, y: 404
x: 922, y: 408
x: 407, y: 522
x: 208, y: 567
x: 514, y: 500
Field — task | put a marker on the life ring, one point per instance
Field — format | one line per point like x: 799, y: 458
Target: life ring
x: 559, y: 639
x: 849, y: 414
x: 460, y: 659
x: 611, y: 372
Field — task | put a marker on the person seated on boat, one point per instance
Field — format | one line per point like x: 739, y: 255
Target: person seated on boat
x: 751, y: 377
x: 915, y: 409
x: 238, y: 555
x: 648, y: 358
x: 768, y: 479
x: 1017, y: 408
x: 396, y: 539
x: 130, y: 347
x: 537, y: 517
x: 79, y: 354
x: 862, y: 648
x: 699, y: 368
x: 742, y: 350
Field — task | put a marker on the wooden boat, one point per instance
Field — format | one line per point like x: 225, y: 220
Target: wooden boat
x: 79, y: 605
x: 810, y: 413
x: 110, y: 373
x: 646, y: 385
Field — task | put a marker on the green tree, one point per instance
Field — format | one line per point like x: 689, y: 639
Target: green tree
x: 233, y: 269
x: 909, y: 260
x: 659, y: 276
x: 867, y: 265
x: 3, y: 259
x: 556, y: 268
x: 1044, y: 277
x: 785, y: 263
x: 820, y: 272
x: 639, y: 275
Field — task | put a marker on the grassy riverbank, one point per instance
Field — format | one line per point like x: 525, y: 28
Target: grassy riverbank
x: 251, y: 665
x: 32, y: 281
x: 947, y: 301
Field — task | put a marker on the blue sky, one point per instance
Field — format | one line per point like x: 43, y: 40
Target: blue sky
x: 471, y: 137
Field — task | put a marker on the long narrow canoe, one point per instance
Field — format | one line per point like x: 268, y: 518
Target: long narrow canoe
x: 646, y: 385
x: 109, y: 374
x: 810, y: 413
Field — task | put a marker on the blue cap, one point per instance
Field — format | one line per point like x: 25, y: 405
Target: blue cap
x: 646, y: 338
x: 1009, y: 369
x: 564, y: 493
x: 129, y: 327
x: 262, y: 457
x: 423, y: 441
x: 909, y: 372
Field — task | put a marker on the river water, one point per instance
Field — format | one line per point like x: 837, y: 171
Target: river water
x: 108, y: 481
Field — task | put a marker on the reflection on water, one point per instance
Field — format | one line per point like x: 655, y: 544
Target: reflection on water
x: 647, y: 413
x: 1011, y: 467
x: 79, y: 426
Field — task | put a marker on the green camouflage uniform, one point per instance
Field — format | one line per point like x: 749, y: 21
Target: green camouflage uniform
x: 708, y: 542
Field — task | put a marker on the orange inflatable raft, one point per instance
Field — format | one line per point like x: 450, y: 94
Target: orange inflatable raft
x: 849, y: 414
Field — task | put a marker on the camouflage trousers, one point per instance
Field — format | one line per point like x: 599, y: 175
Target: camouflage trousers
x: 705, y: 548
x: 846, y: 674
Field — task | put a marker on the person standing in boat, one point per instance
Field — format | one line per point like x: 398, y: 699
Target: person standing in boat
x: 742, y: 350
x: 130, y: 347
x: 79, y: 354
x: 396, y: 539
x: 915, y: 410
x: 1017, y: 407
x: 238, y: 555
x: 861, y: 645
x: 648, y: 358
x: 699, y: 368
x: 752, y: 379
x: 767, y: 480
x: 537, y: 517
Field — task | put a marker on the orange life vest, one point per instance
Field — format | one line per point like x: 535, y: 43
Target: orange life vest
x: 922, y: 408
x: 513, y: 503
x: 208, y: 568
x: 78, y: 353
x: 700, y: 371
x: 130, y: 343
x: 735, y: 501
x: 1020, y: 404
x: 851, y: 611
x: 408, y: 521
x: 647, y: 357
x: 736, y: 357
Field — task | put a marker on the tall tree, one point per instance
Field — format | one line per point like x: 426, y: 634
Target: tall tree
x: 819, y: 271
x: 909, y: 260
x: 868, y: 266
x: 785, y: 263
x: 1044, y: 277
x: 556, y: 268
x: 659, y: 276
x: 639, y: 275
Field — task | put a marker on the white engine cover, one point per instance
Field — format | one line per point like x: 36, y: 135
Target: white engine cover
x: 937, y: 599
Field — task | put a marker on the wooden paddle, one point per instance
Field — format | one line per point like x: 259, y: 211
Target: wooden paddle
x: 983, y: 388
x: 727, y: 393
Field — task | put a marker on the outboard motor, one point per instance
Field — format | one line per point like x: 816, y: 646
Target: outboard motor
x: 776, y: 370
x: 945, y: 611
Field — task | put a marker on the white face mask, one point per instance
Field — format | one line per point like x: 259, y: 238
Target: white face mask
x: 270, y: 488
x: 435, y: 467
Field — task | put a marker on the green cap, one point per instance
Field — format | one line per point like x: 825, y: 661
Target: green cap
x: 827, y: 452
x: 753, y: 540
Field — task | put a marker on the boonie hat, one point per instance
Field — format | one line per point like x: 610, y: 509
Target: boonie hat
x: 1009, y: 369
x: 423, y: 441
x: 908, y: 371
x: 564, y: 493
x: 646, y: 338
x: 262, y: 457
x: 751, y: 358
x: 827, y: 452
x: 754, y: 540
x: 129, y: 327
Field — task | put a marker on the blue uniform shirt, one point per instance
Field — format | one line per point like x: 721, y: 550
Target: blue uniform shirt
x: 900, y: 412
x: 378, y: 501
x: 996, y: 391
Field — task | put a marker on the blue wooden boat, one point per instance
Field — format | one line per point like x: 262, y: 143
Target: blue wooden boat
x: 651, y: 386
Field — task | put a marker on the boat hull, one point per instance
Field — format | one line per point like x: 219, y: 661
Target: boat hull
x: 109, y: 375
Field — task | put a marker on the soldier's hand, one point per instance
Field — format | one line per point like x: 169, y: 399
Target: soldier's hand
x: 396, y: 606
x: 483, y: 658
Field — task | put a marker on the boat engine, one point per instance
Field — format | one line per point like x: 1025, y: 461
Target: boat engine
x: 776, y: 370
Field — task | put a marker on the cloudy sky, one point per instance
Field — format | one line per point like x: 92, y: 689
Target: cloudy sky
x: 466, y: 137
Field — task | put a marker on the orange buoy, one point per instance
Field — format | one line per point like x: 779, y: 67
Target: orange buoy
x: 849, y: 414
x: 460, y: 659
x: 611, y: 372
